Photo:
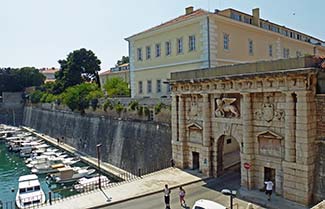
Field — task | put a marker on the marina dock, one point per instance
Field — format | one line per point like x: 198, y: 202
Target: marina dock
x: 106, y: 168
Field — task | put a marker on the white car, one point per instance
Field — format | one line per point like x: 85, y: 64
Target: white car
x: 207, y: 204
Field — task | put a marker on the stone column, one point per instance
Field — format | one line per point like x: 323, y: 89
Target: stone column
x: 206, y: 150
x: 206, y: 117
x: 290, y: 126
x: 174, y: 118
x: 298, y: 178
x: 181, y: 118
x: 248, y: 140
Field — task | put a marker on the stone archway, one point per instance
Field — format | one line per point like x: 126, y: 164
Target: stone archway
x: 227, y: 155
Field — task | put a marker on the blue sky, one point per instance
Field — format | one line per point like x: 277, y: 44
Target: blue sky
x: 40, y: 32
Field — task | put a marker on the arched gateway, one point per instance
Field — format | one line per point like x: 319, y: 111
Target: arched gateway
x: 258, y: 114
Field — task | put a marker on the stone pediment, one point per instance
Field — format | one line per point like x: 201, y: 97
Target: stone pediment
x: 194, y: 126
x: 269, y: 135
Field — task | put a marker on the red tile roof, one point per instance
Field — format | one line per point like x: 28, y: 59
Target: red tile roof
x: 196, y: 13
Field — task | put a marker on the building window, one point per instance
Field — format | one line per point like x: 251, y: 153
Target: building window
x: 168, y: 48
x: 286, y: 53
x: 265, y: 26
x: 149, y: 87
x: 274, y: 28
x: 158, y: 50
x: 139, y: 54
x: 179, y: 45
x: 226, y: 41
x: 148, y: 52
x: 235, y: 16
x: 158, y: 86
x: 247, y: 20
x: 168, y: 88
x: 250, y: 47
x: 191, y: 43
x: 140, y: 87
x: 270, y: 50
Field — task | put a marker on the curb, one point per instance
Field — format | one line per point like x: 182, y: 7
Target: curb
x: 147, y: 194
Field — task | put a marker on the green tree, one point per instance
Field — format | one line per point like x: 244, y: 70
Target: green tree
x: 79, y: 96
x: 117, y: 87
x: 81, y: 65
x: 30, y: 76
x: 12, y: 79
x: 125, y: 59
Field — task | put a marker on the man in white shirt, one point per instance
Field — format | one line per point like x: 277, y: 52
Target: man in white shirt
x: 269, y: 187
x: 166, y: 196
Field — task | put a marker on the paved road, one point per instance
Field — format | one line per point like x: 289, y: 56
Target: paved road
x: 201, y: 190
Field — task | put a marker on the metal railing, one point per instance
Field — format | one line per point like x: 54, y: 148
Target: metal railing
x: 56, y: 194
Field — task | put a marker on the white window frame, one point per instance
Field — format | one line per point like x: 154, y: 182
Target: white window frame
x: 271, y: 50
x: 226, y: 41
x: 139, y: 54
x: 179, y: 44
x: 140, y: 87
x: 168, y: 46
x: 250, y: 47
x: 148, y: 52
x: 191, y: 43
x: 158, y: 50
x: 149, y: 86
x: 158, y: 86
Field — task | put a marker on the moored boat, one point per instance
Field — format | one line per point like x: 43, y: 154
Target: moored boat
x: 30, y: 193
x: 85, y: 184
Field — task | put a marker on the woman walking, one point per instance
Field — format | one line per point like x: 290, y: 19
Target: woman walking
x: 182, y: 196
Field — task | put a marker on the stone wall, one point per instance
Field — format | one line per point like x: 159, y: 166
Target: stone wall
x: 11, y: 108
x: 320, y: 110
x: 126, y: 144
x: 319, y: 189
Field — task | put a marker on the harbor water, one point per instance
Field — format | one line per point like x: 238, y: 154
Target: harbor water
x: 12, y: 166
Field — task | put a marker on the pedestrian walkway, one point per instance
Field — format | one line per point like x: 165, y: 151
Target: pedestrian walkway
x: 106, y: 168
x: 260, y: 198
x: 127, y: 190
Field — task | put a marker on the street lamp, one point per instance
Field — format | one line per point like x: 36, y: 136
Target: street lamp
x: 98, y: 160
x: 230, y: 193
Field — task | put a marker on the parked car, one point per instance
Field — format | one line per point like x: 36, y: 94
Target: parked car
x: 207, y: 204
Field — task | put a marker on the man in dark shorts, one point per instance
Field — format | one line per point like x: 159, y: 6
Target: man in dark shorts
x: 269, y: 187
x: 167, y: 196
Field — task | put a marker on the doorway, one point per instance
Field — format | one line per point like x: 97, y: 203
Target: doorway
x: 269, y: 174
x: 196, y: 160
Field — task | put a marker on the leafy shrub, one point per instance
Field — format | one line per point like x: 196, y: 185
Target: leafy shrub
x: 118, y: 107
x: 108, y: 104
x: 134, y: 105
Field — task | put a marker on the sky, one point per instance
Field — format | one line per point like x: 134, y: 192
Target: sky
x: 40, y: 32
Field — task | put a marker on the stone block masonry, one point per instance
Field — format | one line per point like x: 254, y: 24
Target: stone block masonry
x: 129, y: 145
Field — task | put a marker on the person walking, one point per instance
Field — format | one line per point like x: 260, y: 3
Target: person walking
x: 182, y: 197
x: 269, y: 188
x: 167, y: 196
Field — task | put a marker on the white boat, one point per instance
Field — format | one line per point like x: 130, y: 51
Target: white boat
x: 30, y: 193
x: 70, y: 174
x: 47, y: 168
x: 85, y: 184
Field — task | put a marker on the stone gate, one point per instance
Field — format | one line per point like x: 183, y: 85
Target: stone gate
x: 260, y: 113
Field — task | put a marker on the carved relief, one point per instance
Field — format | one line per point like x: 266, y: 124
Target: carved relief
x: 225, y: 107
x: 268, y: 112
x: 270, y: 144
x: 195, y: 109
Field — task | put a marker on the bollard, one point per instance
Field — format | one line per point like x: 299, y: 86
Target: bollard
x: 139, y: 172
x: 50, y: 198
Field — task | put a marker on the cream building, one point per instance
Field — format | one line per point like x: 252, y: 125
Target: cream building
x: 200, y: 39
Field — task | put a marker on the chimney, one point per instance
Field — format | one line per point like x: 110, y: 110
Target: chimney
x: 189, y: 10
x: 256, y: 17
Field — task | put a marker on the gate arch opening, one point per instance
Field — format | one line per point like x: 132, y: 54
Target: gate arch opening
x: 227, y: 155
